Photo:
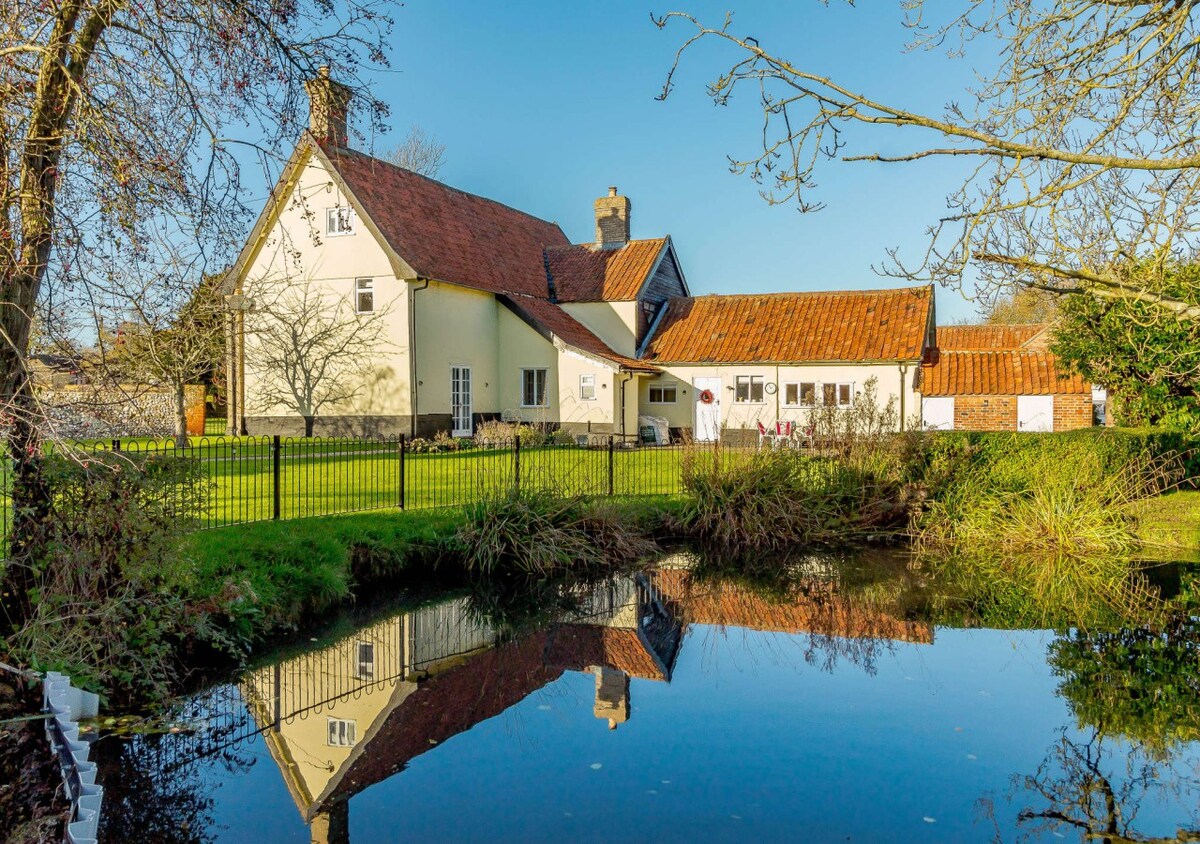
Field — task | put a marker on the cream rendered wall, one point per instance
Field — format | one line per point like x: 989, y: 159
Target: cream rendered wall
x: 296, y: 249
x: 575, y: 410
x: 523, y: 348
x: 613, y: 322
x: 772, y: 408
x: 304, y: 680
x: 456, y: 326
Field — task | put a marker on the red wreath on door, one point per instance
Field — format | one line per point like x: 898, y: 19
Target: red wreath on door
x: 706, y: 396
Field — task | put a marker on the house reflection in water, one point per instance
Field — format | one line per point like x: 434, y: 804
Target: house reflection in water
x: 353, y: 714
x: 342, y: 718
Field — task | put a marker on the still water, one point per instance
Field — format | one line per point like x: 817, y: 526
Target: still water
x: 867, y: 699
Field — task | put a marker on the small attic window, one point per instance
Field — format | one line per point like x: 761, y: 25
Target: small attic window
x: 339, y: 221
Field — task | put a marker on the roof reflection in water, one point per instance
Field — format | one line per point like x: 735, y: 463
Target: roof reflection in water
x: 339, y: 719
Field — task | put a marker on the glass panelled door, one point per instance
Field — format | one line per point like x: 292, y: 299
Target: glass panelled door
x: 460, y: 400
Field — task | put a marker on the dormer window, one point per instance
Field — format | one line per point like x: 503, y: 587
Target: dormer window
x: 339, y: 221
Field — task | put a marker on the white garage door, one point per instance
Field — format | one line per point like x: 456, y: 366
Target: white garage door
x: 937, y: 413
x: 1035, y: 413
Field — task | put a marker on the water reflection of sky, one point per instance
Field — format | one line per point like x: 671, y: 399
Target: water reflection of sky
x: 747, y: 741
x: 757, y: 735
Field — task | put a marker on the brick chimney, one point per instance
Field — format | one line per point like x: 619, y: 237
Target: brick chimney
x: 612, y: 220
x: 328, y: 106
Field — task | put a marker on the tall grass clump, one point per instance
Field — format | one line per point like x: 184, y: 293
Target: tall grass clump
x: 776, y: 499
x: 1068, y: 495
x: 851, y: 491
x: 539, y: 534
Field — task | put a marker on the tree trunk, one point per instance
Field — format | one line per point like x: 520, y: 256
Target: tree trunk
x: 181, y: 431
x: 30, y: 511
x: 308, y: 425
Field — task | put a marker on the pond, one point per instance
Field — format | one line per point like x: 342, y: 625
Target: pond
x: 859, y: 699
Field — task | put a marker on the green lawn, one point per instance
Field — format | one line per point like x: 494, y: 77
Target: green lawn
x: 327, y: 479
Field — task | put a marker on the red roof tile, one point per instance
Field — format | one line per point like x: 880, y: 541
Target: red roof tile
x: 865, y: 325
x: 565, y: 327
x: 1020, y: 372
x: 585, y: 273
x: 447, y: 234
x: 578, y: 646
x: 818, y: 609
x: 961, y: 338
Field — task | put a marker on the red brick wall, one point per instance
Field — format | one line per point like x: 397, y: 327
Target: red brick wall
x: 1072, y: 411
x: 999, y: 413
x: 985, y: 413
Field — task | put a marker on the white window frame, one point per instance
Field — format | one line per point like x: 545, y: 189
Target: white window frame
x: 361, y: 286
x: 837, y: 389
x: 587, y: 382
x: 799, y: 385
x: 545, y: 375
x: 662, y: 393
x: 339, y: 221
x: 750, y: 383
x: 341, y: 732
x: 359, y: 662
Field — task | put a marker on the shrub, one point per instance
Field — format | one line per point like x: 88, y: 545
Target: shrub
x: 1027, y: 492
x: 538, y: 534
x: 497, y: 434
x: 104, y: 609
x: 773, y: 499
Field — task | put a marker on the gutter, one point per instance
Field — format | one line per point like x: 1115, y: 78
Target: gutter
x: 412, y: 351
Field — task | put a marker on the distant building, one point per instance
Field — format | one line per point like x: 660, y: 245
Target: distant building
x: 1003, y: 378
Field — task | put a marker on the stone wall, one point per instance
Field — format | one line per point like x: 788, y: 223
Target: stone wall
x: 88, y: 411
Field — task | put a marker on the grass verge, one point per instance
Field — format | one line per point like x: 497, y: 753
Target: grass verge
x: 267, y: 577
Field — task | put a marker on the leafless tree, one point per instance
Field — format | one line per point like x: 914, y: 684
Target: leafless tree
x: 419, y: 152
x: 171, y: 344
x: 115, y: 114
x: 309, y: 347
x: 1086, y: 156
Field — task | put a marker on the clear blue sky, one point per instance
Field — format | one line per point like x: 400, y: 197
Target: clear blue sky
x: 542, y: 105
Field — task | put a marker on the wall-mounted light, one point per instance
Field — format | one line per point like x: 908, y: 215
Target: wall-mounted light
x: 329, y: 187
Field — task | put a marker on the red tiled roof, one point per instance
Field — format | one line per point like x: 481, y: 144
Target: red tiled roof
x: 452, y: 702
x: 562, y: 325
x: 447, y: 234
x: 866, y: 325
x: 1020, y: 372
x: 961, y: 338
x: 577, y: 646
x: 819, y: 610
x: 584, y: 273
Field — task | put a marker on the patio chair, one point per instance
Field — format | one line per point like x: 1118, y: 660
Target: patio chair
x: 784, y: 432
x: 765, y: 436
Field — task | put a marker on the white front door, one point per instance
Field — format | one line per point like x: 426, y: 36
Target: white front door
x: 460, y: 400
x: 937, y: 413
x: 1035, y: 413
x: 706, y: 427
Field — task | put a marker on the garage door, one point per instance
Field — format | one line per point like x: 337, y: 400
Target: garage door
x: 1035, y: 413
x: 937, y: 413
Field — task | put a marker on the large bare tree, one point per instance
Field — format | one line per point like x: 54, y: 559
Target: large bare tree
x: 420, y: 152
x: 310, y: 348
x: 1086, y: 158
x: 115, y: 114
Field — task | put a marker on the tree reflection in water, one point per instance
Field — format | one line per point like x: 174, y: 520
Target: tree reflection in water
x: 1081, y: 786
x: 152, y: 782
